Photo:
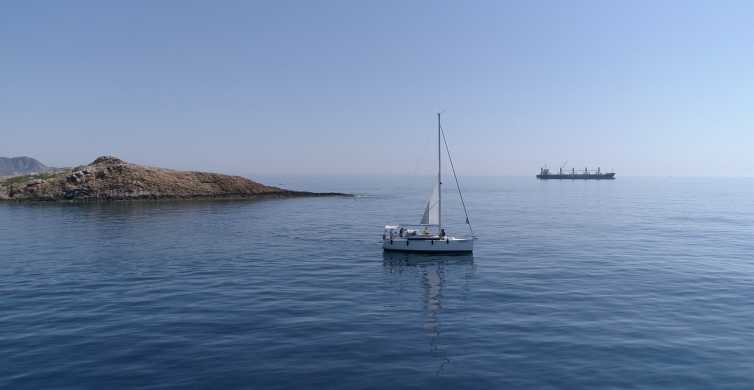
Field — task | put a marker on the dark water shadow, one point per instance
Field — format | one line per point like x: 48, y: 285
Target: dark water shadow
x: 391, y: 260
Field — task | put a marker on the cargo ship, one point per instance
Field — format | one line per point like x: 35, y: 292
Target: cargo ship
x: 586, y: 174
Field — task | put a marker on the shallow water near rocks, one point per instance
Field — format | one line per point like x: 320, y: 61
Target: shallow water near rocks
x: 573, y: 284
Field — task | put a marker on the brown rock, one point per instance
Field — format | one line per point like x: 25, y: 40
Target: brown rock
x: 110, y: 178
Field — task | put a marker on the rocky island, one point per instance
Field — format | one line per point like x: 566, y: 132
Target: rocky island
x: 110, y: 178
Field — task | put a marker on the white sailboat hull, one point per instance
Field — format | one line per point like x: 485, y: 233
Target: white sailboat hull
x: 448, y: 245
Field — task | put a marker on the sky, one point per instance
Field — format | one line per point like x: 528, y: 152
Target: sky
x: 644, y: 88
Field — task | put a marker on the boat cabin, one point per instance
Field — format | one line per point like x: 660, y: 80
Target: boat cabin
x: 414, y: 232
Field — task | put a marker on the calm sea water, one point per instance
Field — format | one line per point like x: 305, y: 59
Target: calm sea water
x: 645, y: 283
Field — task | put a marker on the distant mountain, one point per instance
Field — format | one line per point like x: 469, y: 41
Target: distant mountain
x: 109, y: 178
x: 15, y: 166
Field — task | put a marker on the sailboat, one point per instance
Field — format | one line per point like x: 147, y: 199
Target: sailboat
x: 429, y: 236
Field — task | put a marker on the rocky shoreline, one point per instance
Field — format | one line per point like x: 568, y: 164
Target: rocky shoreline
x: 111, y: 179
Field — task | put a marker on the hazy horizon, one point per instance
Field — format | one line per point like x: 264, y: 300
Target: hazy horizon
x: 345, y: 88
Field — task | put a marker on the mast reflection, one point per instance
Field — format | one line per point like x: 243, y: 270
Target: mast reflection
x: 433, y: 271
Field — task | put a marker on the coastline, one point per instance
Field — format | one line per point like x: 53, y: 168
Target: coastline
x: 109, y: 179
x: 204, y: 198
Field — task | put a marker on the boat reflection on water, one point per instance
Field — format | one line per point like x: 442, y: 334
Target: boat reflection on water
x: 434, y: 272
x: 393, y: 261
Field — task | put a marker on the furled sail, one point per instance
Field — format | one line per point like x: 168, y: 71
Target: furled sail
x: 432, y: 210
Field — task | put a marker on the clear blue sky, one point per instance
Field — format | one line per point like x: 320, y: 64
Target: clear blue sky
x: 352, y: 87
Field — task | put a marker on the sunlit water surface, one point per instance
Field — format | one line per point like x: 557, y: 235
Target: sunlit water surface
x: 627, y: 283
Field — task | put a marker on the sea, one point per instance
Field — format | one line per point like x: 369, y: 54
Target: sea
x: 631, y: 283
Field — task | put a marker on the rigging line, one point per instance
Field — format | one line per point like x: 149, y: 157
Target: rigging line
x: 458, y: 185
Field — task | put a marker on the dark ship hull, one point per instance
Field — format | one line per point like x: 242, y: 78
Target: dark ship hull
x: 577, y: 176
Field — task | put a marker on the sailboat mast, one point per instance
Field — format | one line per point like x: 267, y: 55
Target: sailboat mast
x: 439, y: 175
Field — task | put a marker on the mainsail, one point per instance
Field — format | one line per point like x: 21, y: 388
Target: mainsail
x: 432, y: 210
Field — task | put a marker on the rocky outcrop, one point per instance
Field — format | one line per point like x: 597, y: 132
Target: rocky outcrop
x: 14, y: 166
x: 110, y: 178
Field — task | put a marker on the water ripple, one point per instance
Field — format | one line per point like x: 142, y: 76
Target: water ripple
x: 634, y: 283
